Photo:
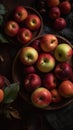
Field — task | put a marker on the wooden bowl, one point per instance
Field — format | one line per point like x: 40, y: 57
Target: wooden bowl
x: 18, y: 75
x: 35, y: 33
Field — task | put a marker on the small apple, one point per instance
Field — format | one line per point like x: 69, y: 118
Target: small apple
x: 36, y: 44
x: 63, y: 52
x: 45, y: 62
x: 59, y: 23
x: 54, y: 12
x: 28, y: 55
x: 29, y: 69
x: 31, y: 82
x: 56, y: 97
x: 41, y: 97
x: 20, y: 14
x: 49, y: 81
x: 48, y: 42
x: 65, y: 7
x: 1, y: 95
x: 33, y: 22
x: 11, y: 28
x: 63, y: 71
x: 2, y: 81
x: 24, y: 35
x: 66, y: 88
x: 52, y: 3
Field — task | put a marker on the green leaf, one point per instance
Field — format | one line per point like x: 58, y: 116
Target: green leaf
x: 2, y: 9
x: 11, y: 93
x: 3, y: 39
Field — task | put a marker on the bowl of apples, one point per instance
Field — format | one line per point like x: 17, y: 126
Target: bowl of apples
x: 22, y: 25
x: 45, y: 72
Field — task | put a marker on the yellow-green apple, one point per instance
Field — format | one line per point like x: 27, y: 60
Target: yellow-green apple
x: 28, y: 55
x: 48, y: 42
x: 63, y: 71
x: 45, y: 62
x: 11, y: 28
x: 54, y: 12
x: 65, y: 7
x: 33, y: 22
x: 20, y: 14
x: 66, y: 88
x: 2, y: 81
x: 31, y: 82
x: 24, y: 35
x: 29, y: 69
x: 52, y: 3
x: 56, y: 97
x: 59, y: 23
x: 49, y: 81
x: 41, y: 97
x: 63, y: 52
x: 36, y: 44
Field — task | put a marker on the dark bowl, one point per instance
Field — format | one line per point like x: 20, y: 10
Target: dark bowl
x: 18, y: 75
x: 35, y: 33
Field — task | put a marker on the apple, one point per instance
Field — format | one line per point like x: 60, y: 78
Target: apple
x: 41, y: 97
x: 36, y: 44
x: 59, y: 23
x: 31, y: 82
x: 49, y: 81
x: 45, y: 62
x: 11, y: 28
x: 52, y: 3
x: 63, y: 71
x: 54, y: 12
x: 28, y: 55
x: 24, y: 35
x: 29, y: 69
x: 33, y: 22
x: 65, y: 7
x: 2, y: 81
x: 66, y: 88
x: 48, y: 42
x: 1, y: 95
x: 56, y: 97
x: 63, y: 52
x: 20, y: 14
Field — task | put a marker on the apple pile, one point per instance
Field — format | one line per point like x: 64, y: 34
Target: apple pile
x: 47, y: 68
x: 56, y: 11
x: 22, y: 25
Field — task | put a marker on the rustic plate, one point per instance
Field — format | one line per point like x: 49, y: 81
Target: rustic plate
x: 18, y: 74
x: 34, y: 33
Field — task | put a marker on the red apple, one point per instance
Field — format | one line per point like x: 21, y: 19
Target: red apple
x: 36, y: 44
x: 49, y: 81
x: 66, y: 88
x: 24, y: 35
x: 63, y: 71
x: 41, y: 97
x: 31, y: 82
x: 52, y: 3
x: 65, y: 7
x: 33, y: 22
x: 45, y: 62
x: 20, y: 14
x: 29, y: 69
x: 2, y: 81
x: 59, y: 23
x: 48, y: 42
x: 54, y: 12
x: 56, y: 97
x: 11, y: 28
x: 28, y: 55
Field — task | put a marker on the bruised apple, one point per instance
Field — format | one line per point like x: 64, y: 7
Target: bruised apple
x: 66, y: 88
x: 28, y: 55
x: 41, y: 97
